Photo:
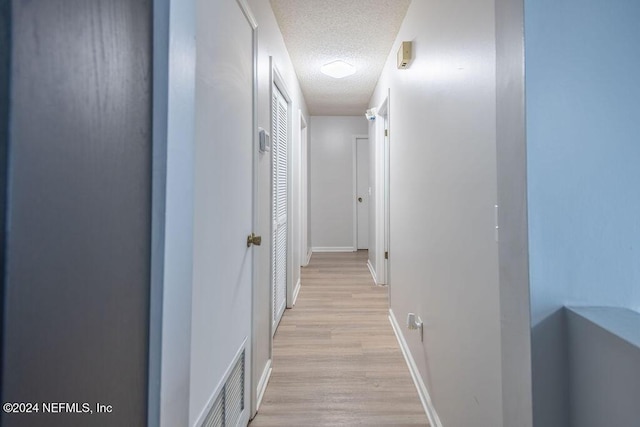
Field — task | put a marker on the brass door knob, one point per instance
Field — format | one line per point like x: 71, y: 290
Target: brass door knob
x: 360, y: 199
x: 254, y: 240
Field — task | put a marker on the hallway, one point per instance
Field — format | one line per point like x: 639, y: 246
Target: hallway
x: 336, y: 359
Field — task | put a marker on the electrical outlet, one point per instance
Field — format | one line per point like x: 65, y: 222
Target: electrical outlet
x: 415, y: 322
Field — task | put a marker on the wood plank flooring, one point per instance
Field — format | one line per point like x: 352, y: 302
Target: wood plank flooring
x: 336, y: 360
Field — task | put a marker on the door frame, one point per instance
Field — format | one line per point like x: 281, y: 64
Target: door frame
x: 387, y: 196
x: 277, y: 80
x: 303, y: 193
x: 382, y: 186
x: 253, y: 401
x: 354, y: 169
x: 172, y: 210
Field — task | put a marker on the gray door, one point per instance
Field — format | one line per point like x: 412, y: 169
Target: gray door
x: 76, y: 280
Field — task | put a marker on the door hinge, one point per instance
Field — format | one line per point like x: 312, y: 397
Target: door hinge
x: 386, y: 255
x: 386, y: 132
x: 496, y: 231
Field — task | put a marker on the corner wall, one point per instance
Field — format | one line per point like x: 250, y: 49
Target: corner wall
x: 172, y: 209
x: 604, y: 356
x: 443, y: 255
x: 583, y: 156
x: 512, y: 215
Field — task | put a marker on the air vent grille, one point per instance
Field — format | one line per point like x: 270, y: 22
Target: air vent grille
x: 234, y: 393
x: 216, y: 415
x: 229, y: 405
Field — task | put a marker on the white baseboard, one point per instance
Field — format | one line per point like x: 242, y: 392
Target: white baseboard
x: 334, y: 249
x: 262, y: 384
x: 308, y: 257
x: 296, y: 291
x: 373, y: 273
x: 423, y: 393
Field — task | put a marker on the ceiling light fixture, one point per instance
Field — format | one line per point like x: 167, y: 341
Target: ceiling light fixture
x: 338, y: 69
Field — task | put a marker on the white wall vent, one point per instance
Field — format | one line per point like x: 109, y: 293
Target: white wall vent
x: 229, y: 405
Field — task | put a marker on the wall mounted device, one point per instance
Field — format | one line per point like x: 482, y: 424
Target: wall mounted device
x: 404, y: 55
x: 265, y: 140
x: 370, y: 114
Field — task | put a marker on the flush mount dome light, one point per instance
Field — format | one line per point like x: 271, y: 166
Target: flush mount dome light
x: 338, y: 69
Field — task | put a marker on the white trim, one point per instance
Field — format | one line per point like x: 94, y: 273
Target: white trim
x: 296, y: 291
x: 262, y: 384
x: 218, y: 389
x: 372, y: 271
x: 248, y: 13
x: 333, y: 249
x: 309, y: 253
x: 246, y: 10
x: 423, y: 393
x: 276, y: 78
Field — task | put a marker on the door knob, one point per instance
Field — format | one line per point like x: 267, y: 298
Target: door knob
x: 360, y: 199
x: 254, y: 240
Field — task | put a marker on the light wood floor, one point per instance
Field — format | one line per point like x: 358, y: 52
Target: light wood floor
x: 336, y: 360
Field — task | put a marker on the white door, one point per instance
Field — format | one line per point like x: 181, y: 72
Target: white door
x: 362, y: 191
x: 223, y: 214
x: 280, y: 125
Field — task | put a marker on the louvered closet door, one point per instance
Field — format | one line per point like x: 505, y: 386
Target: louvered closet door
x: 279, y: 215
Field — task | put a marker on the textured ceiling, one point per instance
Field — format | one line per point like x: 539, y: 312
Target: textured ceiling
x: 358, y: 32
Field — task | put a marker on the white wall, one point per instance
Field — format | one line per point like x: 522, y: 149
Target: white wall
x: 271, y: 44
x: 331, y: 184
x: 443, y: 255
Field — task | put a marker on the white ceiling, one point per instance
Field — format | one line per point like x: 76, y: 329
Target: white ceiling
x: 360, y: 32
